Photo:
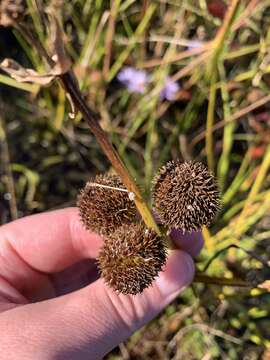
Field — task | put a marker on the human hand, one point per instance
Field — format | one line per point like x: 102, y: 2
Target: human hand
x: 52, y: 303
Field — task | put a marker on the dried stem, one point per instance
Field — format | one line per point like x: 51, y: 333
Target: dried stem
x: 202, y: 278
x: 31, y: 38
x: 225, y: 28
x: 109, y: 37
x: 212, y: 71
x: 234, y: 117
x: 69, y: 82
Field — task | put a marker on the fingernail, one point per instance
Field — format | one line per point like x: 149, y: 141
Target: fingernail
x: 178, y: 274
x: 189, y: 242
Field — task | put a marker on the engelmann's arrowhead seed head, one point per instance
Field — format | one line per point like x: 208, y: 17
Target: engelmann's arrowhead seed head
x: 104, y: 208
x: 131, y: 258
x: 185, y: 195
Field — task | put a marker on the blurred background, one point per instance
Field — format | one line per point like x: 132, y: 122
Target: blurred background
x: 170, y: 79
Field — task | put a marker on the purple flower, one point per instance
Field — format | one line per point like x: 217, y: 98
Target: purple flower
x: 170, y: 89
x: 195, y: 44
x: 135, y: 80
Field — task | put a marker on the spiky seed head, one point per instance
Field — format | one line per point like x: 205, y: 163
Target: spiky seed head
x: 11, y: 11
x: 131, y: 258
x: 103, y: 209
x: 185, y: 195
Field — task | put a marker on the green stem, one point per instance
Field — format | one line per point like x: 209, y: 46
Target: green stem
x: 210, y: 122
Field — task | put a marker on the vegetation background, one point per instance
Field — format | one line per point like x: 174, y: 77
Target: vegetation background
x: 219, y: 115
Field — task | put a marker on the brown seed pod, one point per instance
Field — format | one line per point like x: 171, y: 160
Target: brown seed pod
x: 185, y: 195
x: 11, y: 11
x: 131, y: 258
x: 103, y: 209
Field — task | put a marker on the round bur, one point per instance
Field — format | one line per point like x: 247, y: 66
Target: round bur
x: 185, y: 195
x: 104, y: 204
x: 131, y: 258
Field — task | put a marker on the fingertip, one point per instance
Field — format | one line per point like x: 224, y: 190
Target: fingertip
x: 191, y: 242
x: 85, y: 242
x: 177, y: 275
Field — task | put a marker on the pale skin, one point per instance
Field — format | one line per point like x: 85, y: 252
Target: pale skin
x: 53, y: 305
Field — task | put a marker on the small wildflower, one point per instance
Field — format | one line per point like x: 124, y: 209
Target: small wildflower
x: 170, y: 89
x: 263, y: 117
x: 194, y: 44
x: 135, y: 80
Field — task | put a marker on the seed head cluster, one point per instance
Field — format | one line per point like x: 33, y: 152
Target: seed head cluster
x: 185, y: 195
x: 131, y: 258
x: 103, y: 209
x: 11, y: 11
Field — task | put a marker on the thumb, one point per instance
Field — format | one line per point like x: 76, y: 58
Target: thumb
x: 90, y: 322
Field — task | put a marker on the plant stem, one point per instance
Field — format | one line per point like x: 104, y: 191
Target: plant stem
x: 224, y: 31
x: 70, y: 84
x: 212, y: 73
x: 209, y: 142
x: 202, y: 278
x: 262, y: 173
x: 8, y: 178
